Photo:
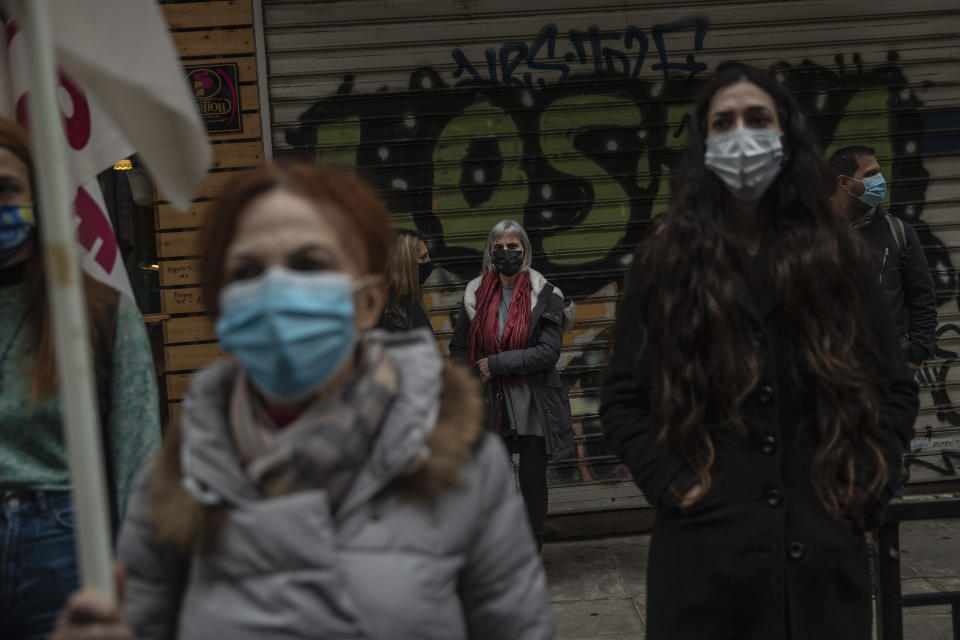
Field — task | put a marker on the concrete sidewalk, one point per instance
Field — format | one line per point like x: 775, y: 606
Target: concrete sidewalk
x: 598, y: 586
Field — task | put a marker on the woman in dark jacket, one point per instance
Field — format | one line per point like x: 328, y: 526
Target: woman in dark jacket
x: 756, y: 390
x: 410, y: 266
x: 511, y: 328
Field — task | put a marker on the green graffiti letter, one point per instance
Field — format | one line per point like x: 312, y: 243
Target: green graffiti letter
x: 337, y: 143
x: 599, y: 229
x: 463, y: 225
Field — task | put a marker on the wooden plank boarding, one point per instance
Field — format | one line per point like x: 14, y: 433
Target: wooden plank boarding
x: 249, y: 97
x: 177, y: 273
x: 204, y: 32
x: 198, y: 15
x: 232, y: 155
x: 188, y: 329
x: 168, y: 217
x: 185, y: 300
x: 251, y: 127
x: 213, y: 42
x: 174, y: 409
x: 190, y: 357
x: 176, y: 244
x: 177, y: 384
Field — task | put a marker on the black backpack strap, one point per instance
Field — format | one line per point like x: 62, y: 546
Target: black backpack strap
x: 104, y: 334
x: 899, y: 235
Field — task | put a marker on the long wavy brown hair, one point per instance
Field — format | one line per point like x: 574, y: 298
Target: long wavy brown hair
x: 688, y: 280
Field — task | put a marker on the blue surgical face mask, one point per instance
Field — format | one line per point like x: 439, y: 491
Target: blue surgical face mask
x: 291, y: 331
x: 874, y: 190
x: 17, y: 223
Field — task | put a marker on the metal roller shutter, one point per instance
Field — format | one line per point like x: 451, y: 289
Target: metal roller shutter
x: 568, y: 118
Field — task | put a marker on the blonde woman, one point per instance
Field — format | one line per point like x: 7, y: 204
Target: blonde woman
x: 410, y: 266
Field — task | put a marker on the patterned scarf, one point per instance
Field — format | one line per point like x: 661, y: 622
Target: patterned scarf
x: 327, y: 444
x: 482, y: 339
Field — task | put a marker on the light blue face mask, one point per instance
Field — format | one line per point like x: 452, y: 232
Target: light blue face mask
x: 874, y: 190
x: 291, y: 331
x: 17, y: 223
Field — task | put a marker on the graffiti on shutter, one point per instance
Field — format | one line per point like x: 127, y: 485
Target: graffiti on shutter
x: 574, y: 129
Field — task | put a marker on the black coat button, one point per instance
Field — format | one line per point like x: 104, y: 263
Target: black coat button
x: 769, y: 444
x: 796, y: 551
x: 766, y: 394
x: 774, y: 497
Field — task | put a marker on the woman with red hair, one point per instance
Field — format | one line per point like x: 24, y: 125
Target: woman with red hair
x: 325, y: 481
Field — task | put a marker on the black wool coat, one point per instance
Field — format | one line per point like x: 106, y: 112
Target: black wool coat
x: 759, y: 557
x: 537, y: 362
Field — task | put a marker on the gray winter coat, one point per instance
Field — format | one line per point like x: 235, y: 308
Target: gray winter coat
x: 386, y: 565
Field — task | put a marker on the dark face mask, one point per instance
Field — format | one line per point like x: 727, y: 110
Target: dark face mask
x: 507, y: 262
x: 425, y: 269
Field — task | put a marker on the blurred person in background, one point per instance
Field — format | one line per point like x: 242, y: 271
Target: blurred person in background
x: 39, y: 564
x: 410, y: 267
x: 757, y: 391
x: 510, y: 328
x: 326, y: 481
x: 899, y: 265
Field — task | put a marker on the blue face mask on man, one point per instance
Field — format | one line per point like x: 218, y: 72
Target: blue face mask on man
x: 17, y: 223
x: 874, y: 190
x: 291, y: 330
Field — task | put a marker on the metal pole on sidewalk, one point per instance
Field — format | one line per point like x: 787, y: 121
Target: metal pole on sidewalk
x: 67, y: 304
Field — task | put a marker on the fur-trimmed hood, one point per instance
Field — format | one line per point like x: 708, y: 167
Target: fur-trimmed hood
x: 430, y: 541
x: 430, y: 431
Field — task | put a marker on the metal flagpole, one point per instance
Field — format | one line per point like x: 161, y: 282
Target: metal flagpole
x: 67, y: 304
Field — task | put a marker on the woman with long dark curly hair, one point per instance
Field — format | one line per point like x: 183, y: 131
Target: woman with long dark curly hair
x: 756, y: 390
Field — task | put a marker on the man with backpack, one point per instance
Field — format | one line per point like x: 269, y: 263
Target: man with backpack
x: 901, y: 268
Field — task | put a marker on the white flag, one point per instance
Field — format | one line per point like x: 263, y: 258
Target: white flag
x: 122, y: 89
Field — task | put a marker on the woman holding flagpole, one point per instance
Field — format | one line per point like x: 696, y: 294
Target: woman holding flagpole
x: 39, y: 567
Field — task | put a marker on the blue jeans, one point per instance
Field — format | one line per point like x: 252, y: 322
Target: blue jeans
x: 39, y: 561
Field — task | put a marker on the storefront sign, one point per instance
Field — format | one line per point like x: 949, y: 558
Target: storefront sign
x: 217, y: 95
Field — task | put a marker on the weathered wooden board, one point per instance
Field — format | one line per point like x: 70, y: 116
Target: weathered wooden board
x: 190, y: 357
x: 188, y: 329
x: 200, y: 15
x: 177, y: 385
x: 213, y: 42
x: 249, y: 97
x: 175, y: 244
x: 251, y: 125
x: 174, y: 409
x: 233, y: 155
x: 178, y: 273
x: 168, y: 217
x: 182, y: 300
